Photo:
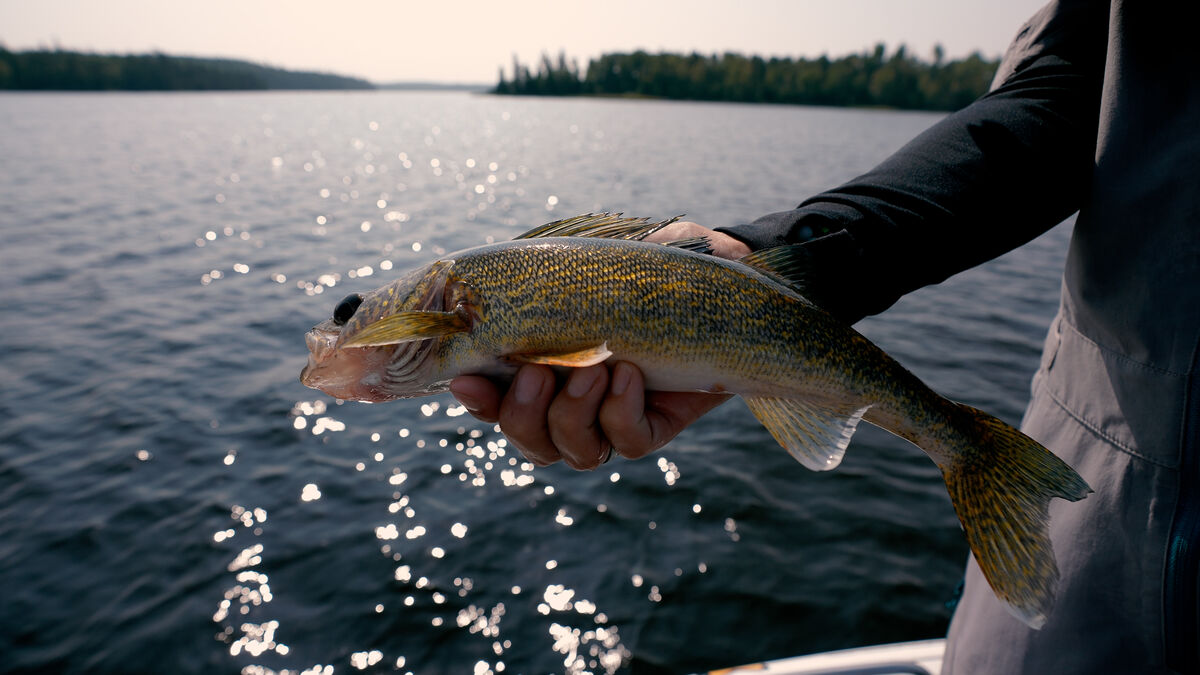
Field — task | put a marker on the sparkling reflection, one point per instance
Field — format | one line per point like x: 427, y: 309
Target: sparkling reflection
x: 577, y: 630
x: 428, y: 475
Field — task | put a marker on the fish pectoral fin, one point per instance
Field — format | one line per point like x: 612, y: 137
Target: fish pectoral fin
x: 577, y: 359
x: 409, y: 326
x: 815, y: 435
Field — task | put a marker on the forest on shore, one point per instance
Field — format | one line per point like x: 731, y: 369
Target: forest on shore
x: 873, y: 78
x: 51, y: 70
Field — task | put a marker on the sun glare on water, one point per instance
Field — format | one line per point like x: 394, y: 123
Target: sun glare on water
x: 579, y: 631
x: 365, y: 217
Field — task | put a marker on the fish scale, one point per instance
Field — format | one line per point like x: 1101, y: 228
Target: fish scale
x: 632, y: 295
x: 586, y: 290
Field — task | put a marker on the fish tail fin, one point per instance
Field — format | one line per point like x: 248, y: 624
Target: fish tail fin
x: 1001, y: 483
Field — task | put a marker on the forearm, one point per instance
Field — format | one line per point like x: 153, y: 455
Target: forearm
x: 978, y: 183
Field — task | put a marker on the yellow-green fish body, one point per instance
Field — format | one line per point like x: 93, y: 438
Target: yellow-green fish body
x: 693, y: 322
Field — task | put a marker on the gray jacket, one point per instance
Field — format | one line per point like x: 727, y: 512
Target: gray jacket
x: 1118, y: 392
x: 1096, y: 108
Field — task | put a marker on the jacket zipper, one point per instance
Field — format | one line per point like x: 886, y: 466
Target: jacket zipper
x: 1181, y: 592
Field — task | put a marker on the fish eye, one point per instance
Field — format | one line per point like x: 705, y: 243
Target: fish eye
x: 346, y: 308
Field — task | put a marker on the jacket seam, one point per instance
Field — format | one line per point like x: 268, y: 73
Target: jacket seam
x: 1118, y: 356
x: 1095, y: 429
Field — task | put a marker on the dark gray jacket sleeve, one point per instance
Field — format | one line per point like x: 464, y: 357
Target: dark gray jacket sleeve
x: 980, y: 182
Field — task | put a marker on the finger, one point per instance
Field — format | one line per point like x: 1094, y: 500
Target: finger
x: 478, y: 395
x: 523, y: 414
x: 638, y: 422
x: 723, y: 245
x: 572, y: 419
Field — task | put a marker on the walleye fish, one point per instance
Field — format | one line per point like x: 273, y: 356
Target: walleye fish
x: 581, y: 291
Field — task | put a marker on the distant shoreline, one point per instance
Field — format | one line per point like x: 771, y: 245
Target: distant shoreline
x: 60, y: 70
x: 872, y: 79
x: 433, y: 86
x: 75, y: 71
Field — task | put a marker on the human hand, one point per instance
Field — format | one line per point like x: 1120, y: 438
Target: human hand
x: 596, y: 413
x: 600, y: 409
x: 723, y: 245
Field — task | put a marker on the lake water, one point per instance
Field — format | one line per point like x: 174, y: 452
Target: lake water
x: 173, y: 500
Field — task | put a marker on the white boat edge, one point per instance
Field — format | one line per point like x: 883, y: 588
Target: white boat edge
x: 922, y: 657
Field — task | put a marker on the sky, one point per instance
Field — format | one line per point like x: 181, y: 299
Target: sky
x: 467, y: 41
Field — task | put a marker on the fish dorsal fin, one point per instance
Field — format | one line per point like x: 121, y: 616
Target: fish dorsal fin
x: 693, y: 244
x: 790, y: 264
x: 409, y: 326
x: 815, y: 435
x: 601, y: 225
x: 580, y: 358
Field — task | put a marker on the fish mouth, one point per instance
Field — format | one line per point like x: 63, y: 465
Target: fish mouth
x: 342, y: 373
x: 322, y: 345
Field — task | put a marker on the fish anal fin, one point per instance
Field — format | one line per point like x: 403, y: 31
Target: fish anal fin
x: 408, y: 326
x: 599, y: 225
x: 580, y: 358
x: 816, y: 435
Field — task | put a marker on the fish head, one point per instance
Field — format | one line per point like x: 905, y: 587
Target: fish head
x: 369, y: 351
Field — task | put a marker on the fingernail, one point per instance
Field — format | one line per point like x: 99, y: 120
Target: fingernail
x: 620, y: 379
x: 581, y: 382
x: 527, y: 387
x: 469, y: 402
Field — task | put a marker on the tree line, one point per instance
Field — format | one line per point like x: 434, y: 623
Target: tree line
x: 872, y: 78
x: 79, y: 71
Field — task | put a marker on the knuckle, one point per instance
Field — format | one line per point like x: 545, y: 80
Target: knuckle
x: 578, y: 465
x: 624, y: 432
x: 580, y: 447
x: 539, y: 461
x: 538, y: 455
x: 520, y: 422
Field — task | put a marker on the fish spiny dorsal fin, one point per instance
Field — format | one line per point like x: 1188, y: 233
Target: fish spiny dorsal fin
x: 601, y: 225
x: 816, y: 436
